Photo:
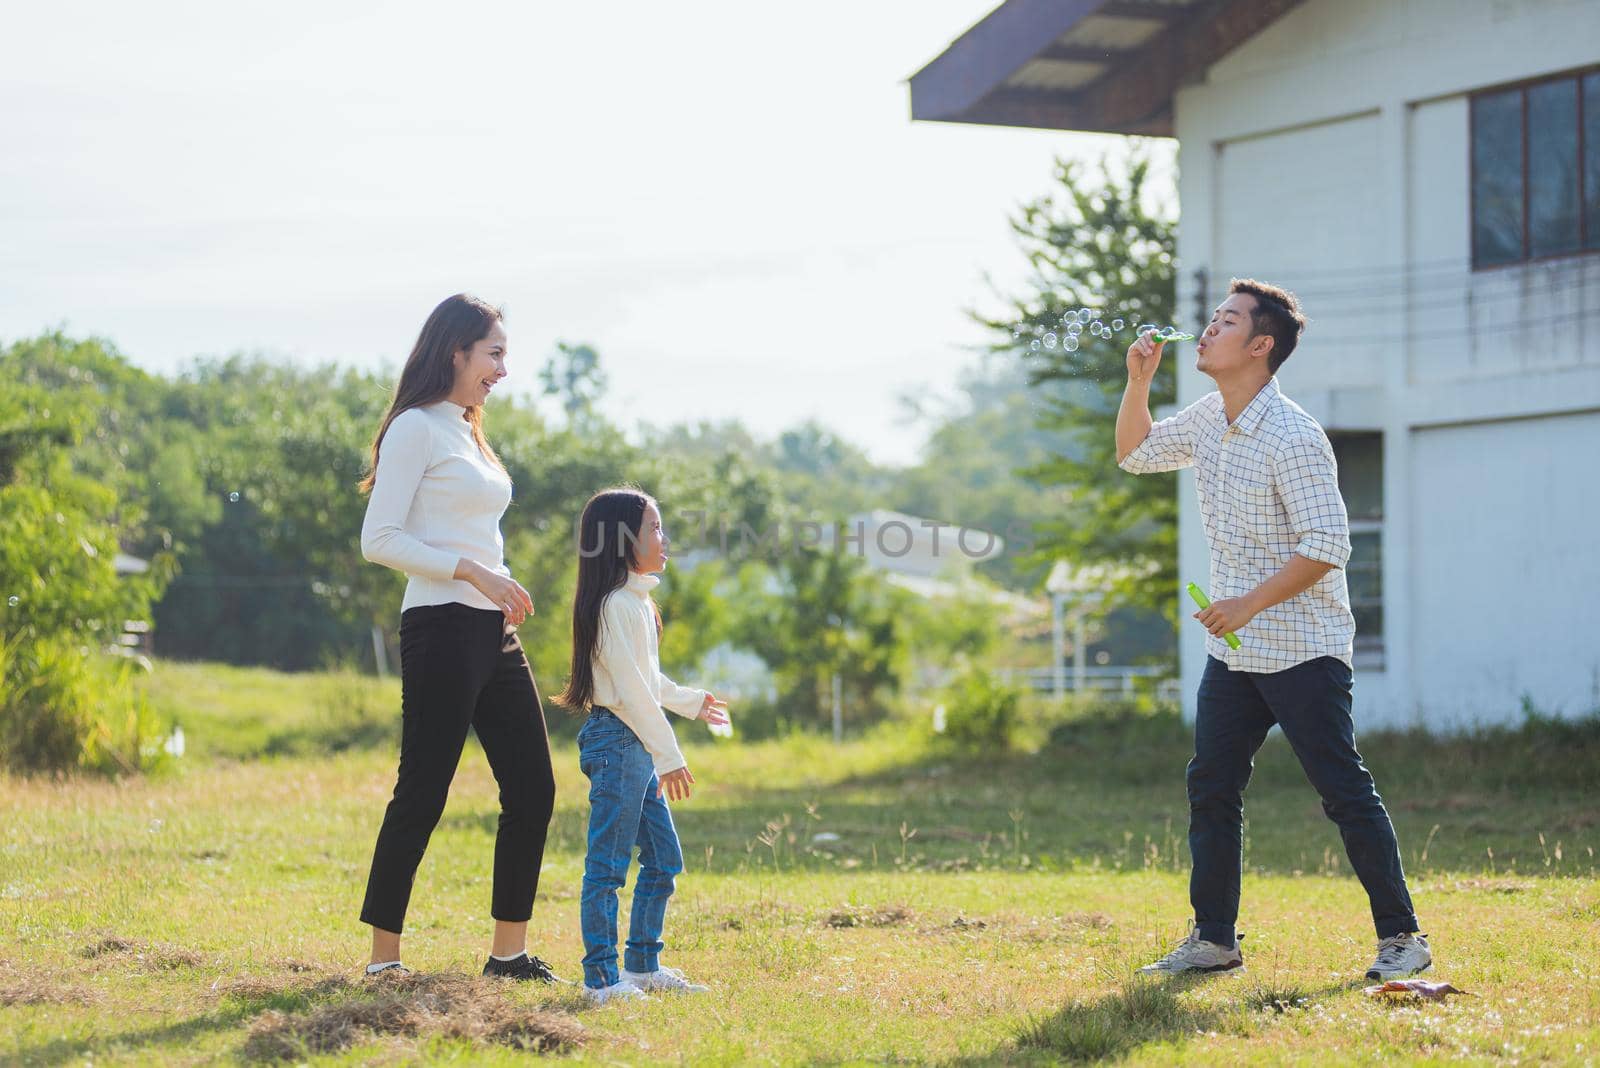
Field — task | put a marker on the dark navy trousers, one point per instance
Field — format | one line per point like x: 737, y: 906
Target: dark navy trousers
x: 1311, y: 702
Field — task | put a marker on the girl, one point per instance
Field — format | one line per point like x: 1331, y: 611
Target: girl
x: 626, y: 747
x: 438, y: 492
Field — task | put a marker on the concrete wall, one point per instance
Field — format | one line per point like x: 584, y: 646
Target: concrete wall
x: 1330, y: 153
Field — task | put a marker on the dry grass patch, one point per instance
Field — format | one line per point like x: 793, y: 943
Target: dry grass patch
x: 868, y: 916
x: 1019, y: 927
x: 1495, y: 885
x: 414, y: 1006
x: 762, y: 913
x: 262, y: 987
x: 32, y: 988
x: 158, y: 957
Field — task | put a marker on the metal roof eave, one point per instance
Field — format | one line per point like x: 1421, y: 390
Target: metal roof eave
x: 974, y: 80
x: 981, y: 60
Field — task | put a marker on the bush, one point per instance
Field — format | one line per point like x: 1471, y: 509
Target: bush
x: 981, y: 712
x: 67, y: 707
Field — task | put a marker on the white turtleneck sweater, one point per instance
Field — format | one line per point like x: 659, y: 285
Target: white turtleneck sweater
x: 627, y: 672
x: 435, y: 499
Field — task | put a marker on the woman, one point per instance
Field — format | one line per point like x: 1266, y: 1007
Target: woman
x: 437, y: 494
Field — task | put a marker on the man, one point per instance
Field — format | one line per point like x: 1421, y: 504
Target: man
x: 1279, y: 539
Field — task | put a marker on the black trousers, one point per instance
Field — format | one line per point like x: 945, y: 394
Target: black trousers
x: 1312, y: 703
x: 459, y: 669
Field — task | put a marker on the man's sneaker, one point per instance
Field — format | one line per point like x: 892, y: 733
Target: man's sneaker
x: 621, y: 990
x: 1195, y: 954
x: 1401, y: 955
x: 663, y: 979
x: 523, y: 968
x: 392, y: 970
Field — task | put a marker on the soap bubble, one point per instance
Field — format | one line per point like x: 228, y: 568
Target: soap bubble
x: 233, y: 497
x: 13, y: 601
x: 1084, y: 315
x: 1098, y: 326
x: 1016, y: 331
x: 1074, y: 328
x: 1117, y: 324
x: 1070, y: 342
x: 1049, y: 341
x: 1034, y: 345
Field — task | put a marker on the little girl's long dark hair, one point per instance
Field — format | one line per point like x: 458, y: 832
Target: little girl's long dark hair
x: 609, y: 532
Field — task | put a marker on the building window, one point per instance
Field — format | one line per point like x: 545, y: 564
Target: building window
x: 1360, y: 459
x: 1536, y: 170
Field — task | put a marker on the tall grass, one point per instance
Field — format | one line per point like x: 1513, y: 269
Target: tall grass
x: 63, y: 707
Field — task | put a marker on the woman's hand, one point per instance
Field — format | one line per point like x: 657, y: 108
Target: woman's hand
x: 713, y: 711
x: 506, y: 593
x: 674, y: 785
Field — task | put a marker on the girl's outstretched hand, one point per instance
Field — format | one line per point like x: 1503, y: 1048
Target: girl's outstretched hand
x: 713, y: 711
x: 674, y: 785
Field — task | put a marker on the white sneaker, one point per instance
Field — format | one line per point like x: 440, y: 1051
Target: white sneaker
x: 1400, y: 955
x: 663, y: 979
x: 623, y: 990
x: 1195, y: 954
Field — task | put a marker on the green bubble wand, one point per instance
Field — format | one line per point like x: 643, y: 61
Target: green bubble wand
x: 1204, y: 602
x: 1163, y: 334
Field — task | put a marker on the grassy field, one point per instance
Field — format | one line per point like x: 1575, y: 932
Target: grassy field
x: 971, y: 909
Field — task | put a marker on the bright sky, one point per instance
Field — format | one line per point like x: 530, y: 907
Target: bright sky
x: 728, y: 199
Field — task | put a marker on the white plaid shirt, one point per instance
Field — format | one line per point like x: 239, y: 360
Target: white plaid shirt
x: 1268, y: 488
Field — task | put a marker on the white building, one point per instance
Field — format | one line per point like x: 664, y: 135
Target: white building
x: 924, y: 555
x: 1426, y: 175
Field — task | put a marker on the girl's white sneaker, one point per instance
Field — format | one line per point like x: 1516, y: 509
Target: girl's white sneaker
x: 663, y: 979
x: 623, y: 989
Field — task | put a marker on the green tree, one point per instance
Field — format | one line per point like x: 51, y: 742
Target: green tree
x: 277, y: 577
x: 574, y: 377
x: 698, y: 614
x: 1103, y: 242
x: 63, y: 702
x: 828, y: 615
x: 128, y: 438
x: 976, y: 469
x: 554, y: 471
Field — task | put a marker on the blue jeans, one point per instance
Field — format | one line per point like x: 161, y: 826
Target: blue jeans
x: 1311, y: 702
x: 624, y: 811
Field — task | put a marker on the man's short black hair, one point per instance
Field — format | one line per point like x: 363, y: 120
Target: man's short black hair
x: 1277, y: 314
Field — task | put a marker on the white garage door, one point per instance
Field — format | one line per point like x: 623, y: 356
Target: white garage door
x: 1506, y: 547
x: 1301, y: 207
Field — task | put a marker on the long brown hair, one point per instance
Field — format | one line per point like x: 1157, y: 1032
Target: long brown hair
x: 459, y: 322
x: 608, y: 536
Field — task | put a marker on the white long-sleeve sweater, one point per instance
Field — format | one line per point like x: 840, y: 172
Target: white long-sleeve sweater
x: 627, y: 672
x: 435, y: 499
